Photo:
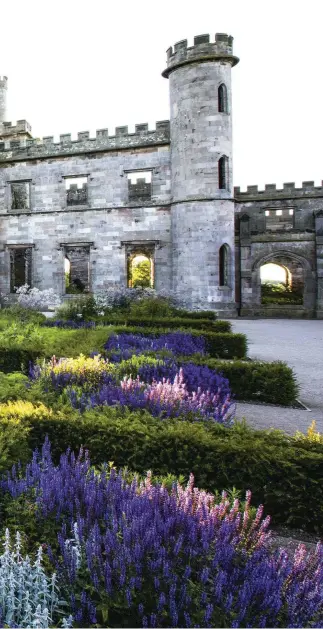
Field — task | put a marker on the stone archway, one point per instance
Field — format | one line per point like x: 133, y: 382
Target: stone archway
x: 299, y: 271
x: 282, y: 284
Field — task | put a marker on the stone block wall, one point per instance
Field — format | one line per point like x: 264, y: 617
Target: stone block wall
x: 198, y: 231
x: 107, y: 220
x: 295, y: 245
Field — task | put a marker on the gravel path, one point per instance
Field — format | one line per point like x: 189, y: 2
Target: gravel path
x: 300, y: 344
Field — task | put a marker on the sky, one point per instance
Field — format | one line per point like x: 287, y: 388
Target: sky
x: 90, y: 64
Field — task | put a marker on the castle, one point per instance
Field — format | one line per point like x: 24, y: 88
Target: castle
x: 75, y: 215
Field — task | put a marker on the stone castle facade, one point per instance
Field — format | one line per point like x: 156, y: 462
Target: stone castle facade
x: 166, y: 193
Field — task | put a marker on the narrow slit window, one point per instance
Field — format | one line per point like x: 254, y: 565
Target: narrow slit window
x: 224, y: 265
x: 222, y: 99
x: 223, y: 172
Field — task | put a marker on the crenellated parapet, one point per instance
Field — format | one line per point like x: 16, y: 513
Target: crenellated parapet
x: 46, y: 146
x: 202, y: 50
x: 7, y: 129
x: 289, y: 190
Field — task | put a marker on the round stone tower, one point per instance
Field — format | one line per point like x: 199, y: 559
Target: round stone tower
x: 3, y: 98
x: 201, y: 172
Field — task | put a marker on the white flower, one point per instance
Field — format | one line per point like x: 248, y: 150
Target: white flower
x: 36, y: 299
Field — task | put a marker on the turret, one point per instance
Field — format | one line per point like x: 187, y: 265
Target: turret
x: 3, y: 98
x: 201, y: 171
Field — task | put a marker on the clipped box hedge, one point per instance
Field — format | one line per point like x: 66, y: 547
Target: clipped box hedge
x: 219, y: 345
x: 170, y: 323
x: 200, y: 314
x: 255, y: 381
x: 284, y: 474
x: 16, y: 359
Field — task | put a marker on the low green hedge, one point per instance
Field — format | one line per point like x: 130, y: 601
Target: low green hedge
x: 16, y: 359
x: 255, y: 381
x: 56, y: 342
x: 166, y: 323
x: 284, y: 474
x: 219, y: 345
x: 201, y: 314
x: 13, y: 386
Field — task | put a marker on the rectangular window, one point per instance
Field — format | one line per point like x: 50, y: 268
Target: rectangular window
x: 20, y: 195
x: 139, y: 185
x: 76, y: 190
x: 279, y: 219
x: 77, y: 269
x: 20, y: 267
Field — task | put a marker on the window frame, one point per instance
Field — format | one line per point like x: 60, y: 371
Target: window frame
x: 67, y: 247
x: 271, y: 212
x: 133, y: 171
x: 223, y: 99
x: 29, y: 275
x: 77, y: 176
x: 10, y: 183
x: 223, y: 172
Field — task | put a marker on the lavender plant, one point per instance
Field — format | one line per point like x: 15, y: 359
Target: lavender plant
x: 195, y: 376
x: 164, y: 399
x: 74, y: 325
x: 123, y: 346
x: 91, y: 382
x: 135, y: 554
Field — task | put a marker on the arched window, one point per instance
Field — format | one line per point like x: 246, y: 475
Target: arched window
x: 223, y: 173
x: 224, y: 265
x: 222, y: 99
x: 140, y: 270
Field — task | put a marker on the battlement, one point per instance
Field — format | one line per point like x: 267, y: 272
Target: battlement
x: 9, y: 129
x: 202, y: 50
x: 288, y: 190
x: 43, y: 147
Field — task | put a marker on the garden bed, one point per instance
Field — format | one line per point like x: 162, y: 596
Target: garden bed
x: 137, y: 550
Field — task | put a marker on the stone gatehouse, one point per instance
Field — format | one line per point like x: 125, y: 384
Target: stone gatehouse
x: 77, y: 214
